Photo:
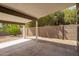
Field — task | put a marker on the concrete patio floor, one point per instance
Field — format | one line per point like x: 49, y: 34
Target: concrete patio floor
x: 39, y: 48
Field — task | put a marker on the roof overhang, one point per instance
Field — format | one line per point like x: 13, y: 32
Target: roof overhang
x: 31, y: 11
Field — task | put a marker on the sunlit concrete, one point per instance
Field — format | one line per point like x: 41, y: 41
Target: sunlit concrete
x: 11, y: 43
x: 68, y: 42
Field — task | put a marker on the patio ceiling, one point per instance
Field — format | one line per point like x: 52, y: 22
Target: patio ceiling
x: 31, y: 11
x: 6, y: 18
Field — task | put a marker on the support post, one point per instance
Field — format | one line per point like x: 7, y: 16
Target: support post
x: 77, y: 22
x: 36, y: 29
x: 63, y: 32
x: 23, y: 31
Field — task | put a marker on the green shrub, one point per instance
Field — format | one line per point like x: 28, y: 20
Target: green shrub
x: 12, y: 29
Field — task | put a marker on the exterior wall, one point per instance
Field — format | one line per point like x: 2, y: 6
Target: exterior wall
x: 49, y: 31
x: 69, y: 33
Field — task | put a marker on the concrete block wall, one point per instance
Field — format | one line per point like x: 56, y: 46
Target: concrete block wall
x: 69, y: 32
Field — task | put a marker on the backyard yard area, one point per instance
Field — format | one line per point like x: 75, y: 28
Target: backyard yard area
x: 36, y: 30
x: 8, y: 38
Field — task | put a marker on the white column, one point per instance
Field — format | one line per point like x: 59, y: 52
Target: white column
x: 36, y: 29
x: 23, y: 31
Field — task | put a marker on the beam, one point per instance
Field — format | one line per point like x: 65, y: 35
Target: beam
x: 10, y: 22
x: 15, y: 13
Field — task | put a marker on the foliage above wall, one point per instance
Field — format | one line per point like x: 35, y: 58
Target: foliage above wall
x: 68, y: 16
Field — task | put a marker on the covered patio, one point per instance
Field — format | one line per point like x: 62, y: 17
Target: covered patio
x: 33, y: 46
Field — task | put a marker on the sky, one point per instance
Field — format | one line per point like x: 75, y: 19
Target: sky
x: 0, y: 25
